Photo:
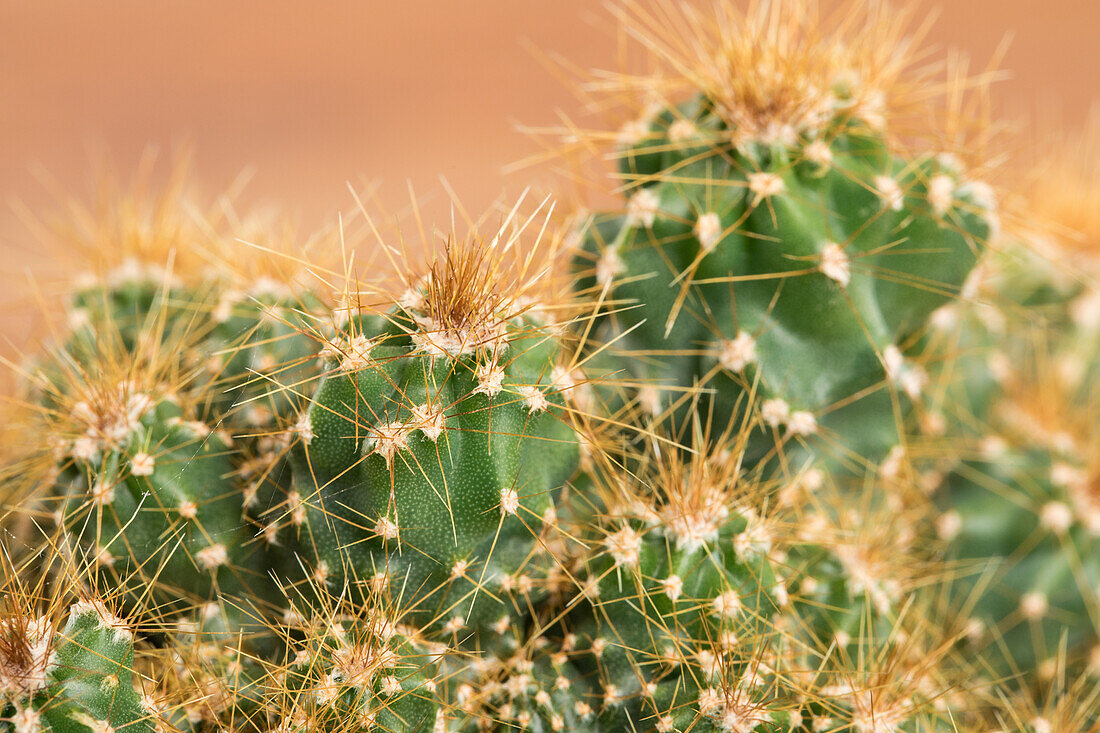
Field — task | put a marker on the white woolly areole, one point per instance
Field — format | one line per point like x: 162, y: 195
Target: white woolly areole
x: 429, y: 420
x: 775, y: 412
x: 649, y: 399
x: 673, y: 587
x: 944, y: 318
x: 948, y: 525
x: 304, y: 427
x: 1056, y: 517
x: 765, y: 185
x: 623, y: 547
x: 490, y: 379
x: 819, y: 152
x: 509, y: 501
x: 413, y: 299
x: 889, y: 192
x: 941, y: 194
x: 835, y: 264
x: 737, y: 353
x: 188, y: 509
x: 727, y: 605
x: 386, y: 528
x: 609, y: 266
x: 682, y: 131
x: 708, y: 230
x: 642, y: 208
x: 103, y: 492
x: 533, y: 398
x: 633, y: 132
x: 142, y: 464
x: 212, y: 557
x: 389, y: 438
x: 802, y: 422
x: 1034, y: 605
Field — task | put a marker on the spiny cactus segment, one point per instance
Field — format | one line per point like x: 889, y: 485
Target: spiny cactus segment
x: 75, y: 679
x: 431, y: 455
x: 776, y: 238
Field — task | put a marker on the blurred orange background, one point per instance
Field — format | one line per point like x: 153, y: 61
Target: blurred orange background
x: 313, y: 95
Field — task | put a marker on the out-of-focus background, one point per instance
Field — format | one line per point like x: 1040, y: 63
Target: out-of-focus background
x: 310, y: 96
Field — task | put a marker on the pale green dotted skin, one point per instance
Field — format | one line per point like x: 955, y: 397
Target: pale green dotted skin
x: 90, y: 682
x: 143, y: 521
x: 999, y: 505
x: 818, y: 342
x: 447, y: 493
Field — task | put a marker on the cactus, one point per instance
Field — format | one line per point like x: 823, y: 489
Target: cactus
x: 776, y: 239
x: 77, y: 679
x: 1019, y: 507
x: 414, y: 513
x: 1027, y: 515
x: 852, y: 563
x: 145, y: 491
x: 434, y: 446
x: 677, y: 591
x: 161, y: 405
x: 1021, y: 510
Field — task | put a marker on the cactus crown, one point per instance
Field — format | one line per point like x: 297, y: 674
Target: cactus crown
x: 776, y: 70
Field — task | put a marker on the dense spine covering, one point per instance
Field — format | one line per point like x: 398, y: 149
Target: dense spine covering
x: 77, y: 679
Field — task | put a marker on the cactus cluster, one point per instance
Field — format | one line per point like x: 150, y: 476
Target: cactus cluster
x: 808, y: 443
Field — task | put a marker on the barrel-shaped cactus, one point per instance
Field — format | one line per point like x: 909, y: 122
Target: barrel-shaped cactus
x: 146, y: 491
x: 430, y: 456
x: 776, y: 239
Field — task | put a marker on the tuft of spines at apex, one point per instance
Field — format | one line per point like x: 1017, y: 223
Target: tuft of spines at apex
x: 77, y: 679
